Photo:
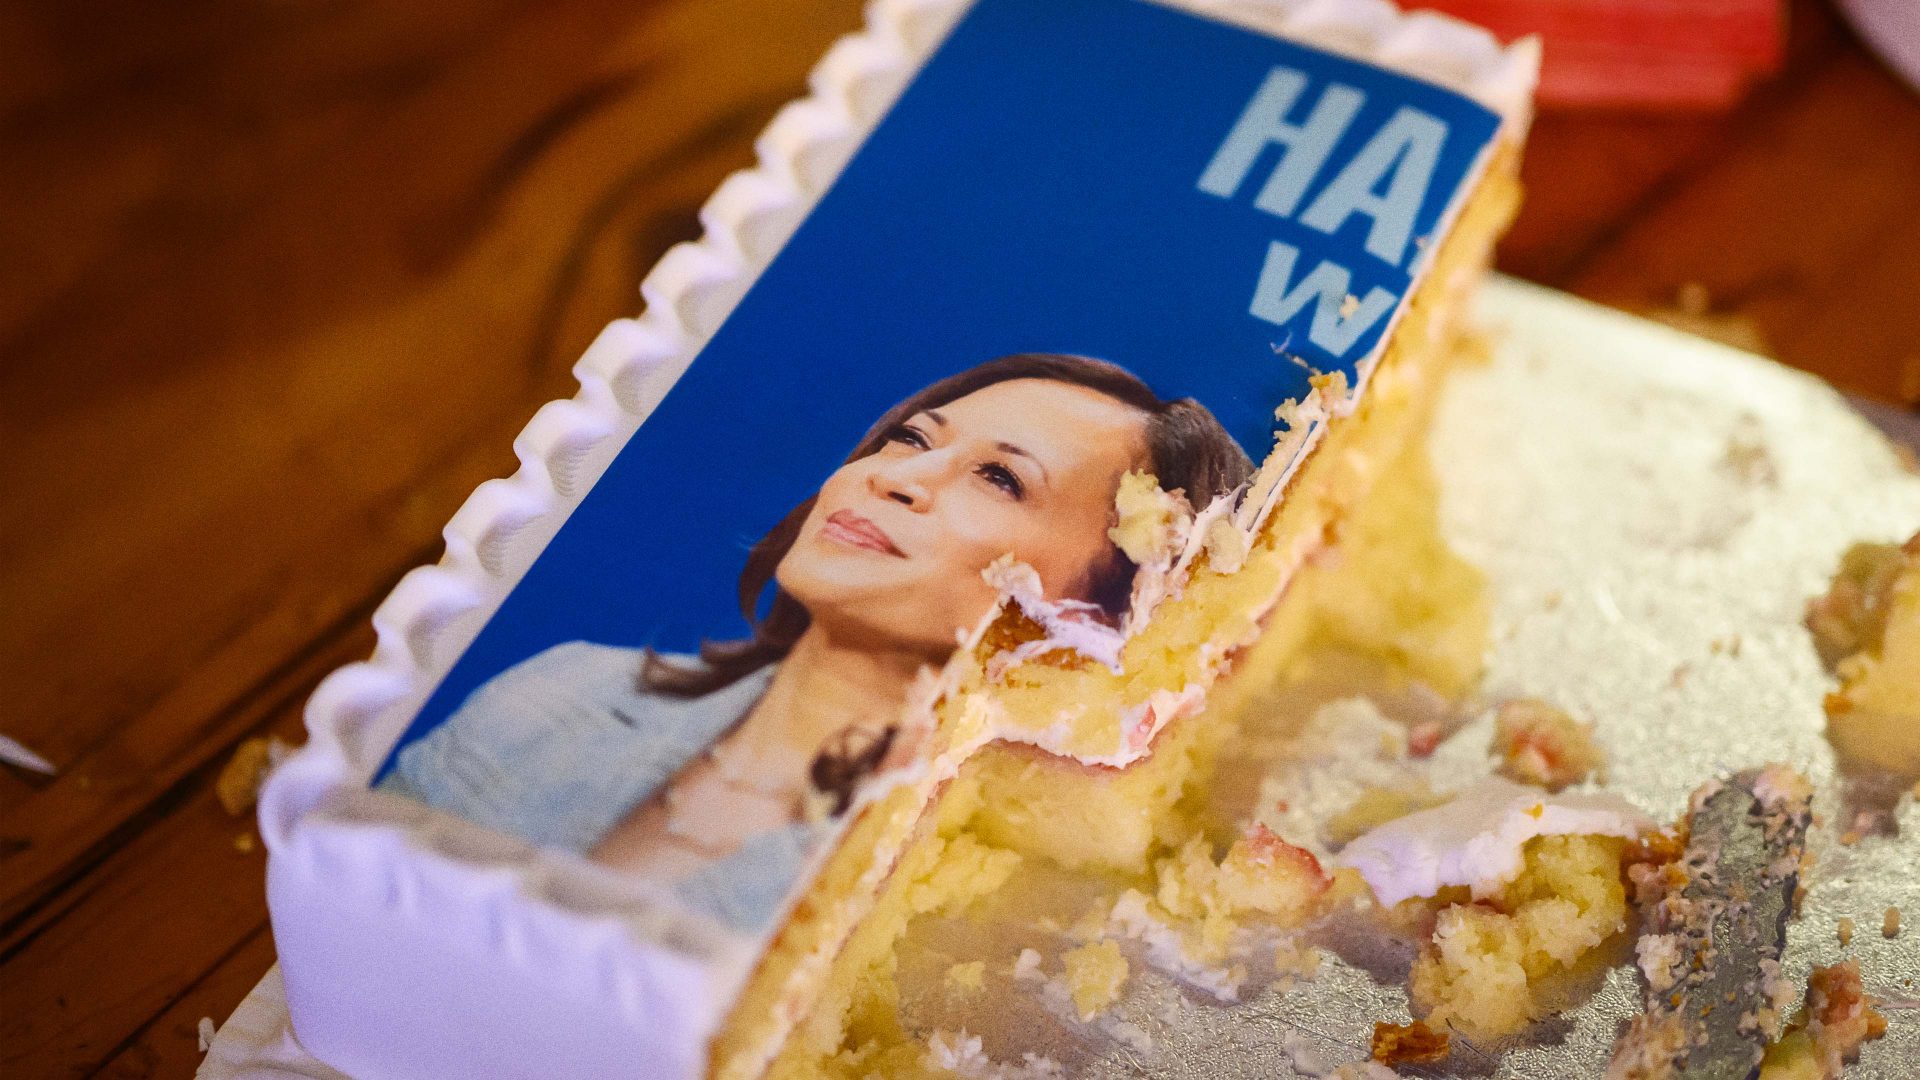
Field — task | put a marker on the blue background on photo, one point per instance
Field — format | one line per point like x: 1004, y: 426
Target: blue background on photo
x: 1034, y: 189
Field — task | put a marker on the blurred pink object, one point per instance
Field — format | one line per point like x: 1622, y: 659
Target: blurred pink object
x: 1648, y: 54
x: 1892, y: 27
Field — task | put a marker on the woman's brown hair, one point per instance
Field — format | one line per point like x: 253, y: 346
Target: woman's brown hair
x: 1189, y: 451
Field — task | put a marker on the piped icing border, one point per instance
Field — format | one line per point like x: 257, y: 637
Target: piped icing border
x: 336, y: 843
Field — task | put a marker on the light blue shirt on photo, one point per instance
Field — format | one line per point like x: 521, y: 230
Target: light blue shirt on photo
x: 561, y: 747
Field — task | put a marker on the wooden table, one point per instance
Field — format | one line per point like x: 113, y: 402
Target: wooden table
x: 281, y: 282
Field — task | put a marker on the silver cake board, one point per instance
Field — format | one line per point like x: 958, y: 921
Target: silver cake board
x: 1654, y: 511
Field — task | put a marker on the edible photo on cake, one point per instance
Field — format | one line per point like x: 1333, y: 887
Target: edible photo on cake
x: 714, y: 771
x: 991, y: 356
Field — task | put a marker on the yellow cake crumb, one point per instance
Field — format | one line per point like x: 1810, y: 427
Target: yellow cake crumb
x: 1489, y: 967
x: 238, y: 784
x: 1096, y: 974
x: 1226, y: 546
x: 1290, y: 958
x: 1794, y: 1057
x: 1890, y: 923
x: 968, y: 977
x: 1260, y: 874
x: 1152, y: 520
x: 1851, y: 616
x: 1838, y: 1019
x: 1265, y: 874
x: 966, y: 871
x: 854, y: 1028
x: 1867, y: 629
x: 1333, y: 388
x: 1844, y: 931
x: 1409, y: 1044
x: 1539, y: 744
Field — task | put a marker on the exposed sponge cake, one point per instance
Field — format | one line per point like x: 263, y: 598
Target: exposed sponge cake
x: 1495, y: 965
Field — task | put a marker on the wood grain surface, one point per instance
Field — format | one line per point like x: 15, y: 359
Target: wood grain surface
x: 282, y: 281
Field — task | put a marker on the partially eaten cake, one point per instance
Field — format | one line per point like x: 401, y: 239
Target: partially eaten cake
x: 1084, y: 765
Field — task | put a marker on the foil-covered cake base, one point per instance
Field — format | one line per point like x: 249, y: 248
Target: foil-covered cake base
x: 1653, y: 512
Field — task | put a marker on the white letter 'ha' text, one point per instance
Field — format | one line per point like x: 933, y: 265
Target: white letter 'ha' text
x: 1304, y: 146
x: 1404, y: 152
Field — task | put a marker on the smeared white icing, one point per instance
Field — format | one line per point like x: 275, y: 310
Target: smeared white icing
x: 1476, y: 839
x: 1026, y: 967
x: 1142, y: 722
x: 958, y: 1052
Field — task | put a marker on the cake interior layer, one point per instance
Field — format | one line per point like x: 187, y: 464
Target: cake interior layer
x: 1023, y: 848
x: 935, y: 847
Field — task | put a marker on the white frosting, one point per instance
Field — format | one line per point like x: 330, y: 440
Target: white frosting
x: 1476, y: 839
x: 1026, y: 967
x: 1070, y: 624
x: 1304, y: 421
x: 958, y: 1052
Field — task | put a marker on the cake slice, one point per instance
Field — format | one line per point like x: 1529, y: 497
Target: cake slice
x: 583, y: 854
x: 1867, y: 628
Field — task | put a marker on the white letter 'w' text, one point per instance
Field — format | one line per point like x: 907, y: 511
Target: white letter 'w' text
x: 1277, y: 299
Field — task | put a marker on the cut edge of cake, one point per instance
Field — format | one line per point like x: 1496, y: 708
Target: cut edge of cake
x: 372, y: 890
x: 1320, y: 493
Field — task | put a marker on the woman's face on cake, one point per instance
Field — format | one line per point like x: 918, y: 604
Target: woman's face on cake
x: 894, y: 546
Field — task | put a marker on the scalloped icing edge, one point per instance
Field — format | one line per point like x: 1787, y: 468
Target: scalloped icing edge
x: 652, y: 969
